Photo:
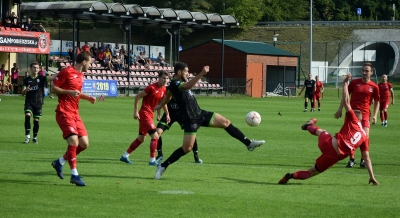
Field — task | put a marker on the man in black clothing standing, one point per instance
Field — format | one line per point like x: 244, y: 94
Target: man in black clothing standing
x: 309, y: 84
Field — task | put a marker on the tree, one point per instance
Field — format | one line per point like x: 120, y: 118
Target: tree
x: 247, y: 12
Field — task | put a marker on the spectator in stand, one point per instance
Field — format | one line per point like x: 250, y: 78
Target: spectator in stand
x: 102, y: 46
x: 28, y: 25
x: 110, y: 49
x: 132, y: 57
x: 8, y: 88
x: 107, y: 52
x: 41, y: 28
x: 71, y: 54
x: 6, y: 19
x: 14, y: 19
x: 86, y: 47
x: 100, y: 56
x: 116, y: 49
x: 124, y: 54
x: 107, y: 62
x: 161, y: 60
x: 93, y: 50
x: 42, y: 71
x: 2, y: 73
x: 140, y: 59
x: 117, y: 63
x: 14, y: 74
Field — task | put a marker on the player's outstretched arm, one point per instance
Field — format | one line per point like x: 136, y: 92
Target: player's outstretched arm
x: 368, y: 164
x: 163, y: 101
x: 91, y: 99
x: 190, y: 84
x: 345, y: 94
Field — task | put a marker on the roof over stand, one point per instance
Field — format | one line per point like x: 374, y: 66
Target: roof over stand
x: 117, y: 13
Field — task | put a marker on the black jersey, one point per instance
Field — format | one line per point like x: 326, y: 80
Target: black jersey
x: 36, y: 85
x: 185, y: 99
x: 310, y: 85
x: 173, y: 108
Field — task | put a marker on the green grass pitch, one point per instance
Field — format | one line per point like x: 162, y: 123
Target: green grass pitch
x: 231, y: 182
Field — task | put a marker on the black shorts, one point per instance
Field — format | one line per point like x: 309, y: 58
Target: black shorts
x: 162, y: 124
x: 14, y: 81
x: 34, y: 109
x: 190, y: 126
x: 309, y: 96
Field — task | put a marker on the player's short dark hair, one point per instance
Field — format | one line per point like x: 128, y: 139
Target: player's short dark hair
x: 83, y: 56
x: 162, y: 73
x: 33, y: 63
x: 179, y: 66
x: 369, y: 65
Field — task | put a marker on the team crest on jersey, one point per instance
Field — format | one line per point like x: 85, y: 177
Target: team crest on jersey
x: 370, y: 89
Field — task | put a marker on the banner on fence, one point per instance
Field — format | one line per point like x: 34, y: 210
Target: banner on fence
x: 106, y: 88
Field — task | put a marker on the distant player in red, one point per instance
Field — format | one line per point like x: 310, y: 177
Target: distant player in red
x: 363, y: 92
x: 151, y: 95
x: 319, y: 88
x: 68, y: 86
x: 386, y: 91
x: 343, y: 144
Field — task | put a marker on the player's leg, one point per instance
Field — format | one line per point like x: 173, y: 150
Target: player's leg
x: 299, y: 175
x: 73, y: 142
x: 217, y: 120
x: 27, y: 125
x: 366, y: 130
x: 135, y: 144
x: 385, y: 113
x: 381, y: 112
x: 153, y: 146
x: 196, y: 153
x: 188, y: 141
x: 311, y: 97
x: 305, y: 103
x: 37, y: 113
x: 160, y: 154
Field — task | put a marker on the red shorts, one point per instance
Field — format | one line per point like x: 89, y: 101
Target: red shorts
x: 70, y: 125
x: 145, y: 126
x: 383, y: 105
x: 329, y: 156
x: 317, y: 95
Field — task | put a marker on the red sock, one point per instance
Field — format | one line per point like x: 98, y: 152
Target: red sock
x: 385, y: 115
x: 301, y: 175
x: 135, y: 144
x: 313, y: 129
x: 71, y: 153
x: 153, y: 147
x: 382, y: 116
x: 352, y: 155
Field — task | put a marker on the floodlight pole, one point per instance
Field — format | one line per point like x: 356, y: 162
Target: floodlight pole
x: 222, y: 56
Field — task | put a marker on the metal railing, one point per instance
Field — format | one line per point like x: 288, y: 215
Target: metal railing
x: 331, y: 23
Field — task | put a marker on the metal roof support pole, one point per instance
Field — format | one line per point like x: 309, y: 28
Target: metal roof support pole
x: 170, y: 47
x: 73, y: 40
x: 179, y: 41
x: 78, y: 41
x: 127, y: 26
x: 222, y: 57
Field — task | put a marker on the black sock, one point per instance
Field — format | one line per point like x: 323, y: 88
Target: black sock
x: 35, y: 128
x: 305, y: 105
x: 159, y: 147
x: 195, y: 150
x: 27, y: 125
x: 237, y: 134
x: 312, y: 105
x: 178, y: 153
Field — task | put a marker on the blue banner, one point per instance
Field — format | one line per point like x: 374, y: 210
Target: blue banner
x: 106, y: 88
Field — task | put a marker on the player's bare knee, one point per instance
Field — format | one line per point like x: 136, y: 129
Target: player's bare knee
x: 28, y: 114
x: 187, y: 148
x: 36, y: 119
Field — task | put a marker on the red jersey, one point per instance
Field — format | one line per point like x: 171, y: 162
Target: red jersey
x: 68, y: 79
x: 362, y: 95
x: 352, y: 135
x: 154, y: 94
x: 318, y: 86
x: 85, y: 48
x: 384, y: 90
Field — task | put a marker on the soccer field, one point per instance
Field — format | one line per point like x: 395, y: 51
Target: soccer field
x: 231, y: 182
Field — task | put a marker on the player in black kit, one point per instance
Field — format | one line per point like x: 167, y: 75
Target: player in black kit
x: 193, y: 116
x: 309, y: 84
x: 173, y: 109
x: 33, y: 88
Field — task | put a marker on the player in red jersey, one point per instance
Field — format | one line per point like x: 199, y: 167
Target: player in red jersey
x: 363, y: 91
x: 319, y: 88
x: 350, y: 137
x: 384, y: 89
x: 151, y: 95
x: 68, y: 86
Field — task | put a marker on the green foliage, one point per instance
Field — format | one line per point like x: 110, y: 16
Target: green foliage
x: 247, y: 12
x: 231, y: 182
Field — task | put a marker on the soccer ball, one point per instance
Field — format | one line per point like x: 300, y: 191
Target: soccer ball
x: 253, y: 118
